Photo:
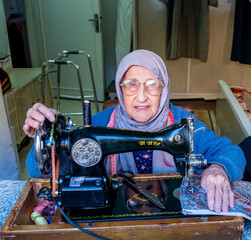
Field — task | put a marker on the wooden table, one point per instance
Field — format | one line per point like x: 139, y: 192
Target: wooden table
x: 19, y: 226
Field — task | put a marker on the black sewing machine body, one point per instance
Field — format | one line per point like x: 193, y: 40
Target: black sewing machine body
x: 113, y: 141
x: 88, y: 185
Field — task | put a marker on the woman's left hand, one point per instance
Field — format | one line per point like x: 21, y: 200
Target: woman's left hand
x: 216, y: 183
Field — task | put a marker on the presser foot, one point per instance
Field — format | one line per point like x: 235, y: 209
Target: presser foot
x: 189, y: 188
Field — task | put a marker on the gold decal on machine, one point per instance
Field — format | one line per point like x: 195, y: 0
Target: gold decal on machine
x: 149, y: 143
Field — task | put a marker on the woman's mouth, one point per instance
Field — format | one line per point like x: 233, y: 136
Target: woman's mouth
x: 142, y: 108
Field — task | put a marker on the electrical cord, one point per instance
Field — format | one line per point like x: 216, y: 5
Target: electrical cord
x: 71, y: 222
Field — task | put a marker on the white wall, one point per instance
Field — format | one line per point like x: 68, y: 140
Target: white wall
x: 109, y: 18
x: 8, y: 156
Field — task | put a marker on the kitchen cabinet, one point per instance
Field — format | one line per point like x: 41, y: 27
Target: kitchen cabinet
x: 26, y: 91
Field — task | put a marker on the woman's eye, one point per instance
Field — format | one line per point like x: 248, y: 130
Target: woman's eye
x: 132, y: 84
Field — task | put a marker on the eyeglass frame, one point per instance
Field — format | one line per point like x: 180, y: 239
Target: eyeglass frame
x: 162, y: 85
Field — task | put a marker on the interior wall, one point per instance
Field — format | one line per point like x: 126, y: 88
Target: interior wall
x: 191, y: 78
x: 109, y: 17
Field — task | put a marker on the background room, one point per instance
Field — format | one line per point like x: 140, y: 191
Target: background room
x: 35, y: 31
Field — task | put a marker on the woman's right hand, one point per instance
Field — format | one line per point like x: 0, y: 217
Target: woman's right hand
x: 36, y: 115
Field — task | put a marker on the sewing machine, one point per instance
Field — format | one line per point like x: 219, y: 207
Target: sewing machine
x: 176, y: 139
x: 88, y: 186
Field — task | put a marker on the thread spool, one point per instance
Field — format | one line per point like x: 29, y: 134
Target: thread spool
x: 87, y: 113
x: 37, y: 218
x: 40, y: 207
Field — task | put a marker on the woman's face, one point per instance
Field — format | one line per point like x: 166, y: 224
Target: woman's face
x: 142, y: 106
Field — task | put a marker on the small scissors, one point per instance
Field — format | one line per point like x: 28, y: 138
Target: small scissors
x: 128, y: 180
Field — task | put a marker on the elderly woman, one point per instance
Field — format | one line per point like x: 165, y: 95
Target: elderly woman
x: 142, y: 86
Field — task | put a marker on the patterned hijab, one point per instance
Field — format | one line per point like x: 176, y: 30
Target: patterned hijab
x: 155, y: 65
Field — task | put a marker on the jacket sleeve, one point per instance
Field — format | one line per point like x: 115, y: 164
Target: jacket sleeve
x: 215, y: 149
x: 31, y: 165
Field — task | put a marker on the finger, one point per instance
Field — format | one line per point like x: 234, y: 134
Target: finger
x: 32, y: 123
x: 35, y: 114
x: 211, y: 196
x: 30, y: 127
x: 231, y: 198
x: 29, y: 131
x: 218, y: 198
x: 55, y: 112
x: 39, y: 111
x: 26, y: 128
x: 225, y: 199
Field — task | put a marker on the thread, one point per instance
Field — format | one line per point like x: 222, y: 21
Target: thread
x: 53, y: 171
x: 87, y: 113
x: 37, y: 218
x: 57, y: 171
x: 45, y: 206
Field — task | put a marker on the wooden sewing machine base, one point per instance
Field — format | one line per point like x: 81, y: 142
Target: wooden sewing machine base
x: 19, y: 226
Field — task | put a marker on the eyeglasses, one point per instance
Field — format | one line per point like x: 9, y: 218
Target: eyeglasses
x: 153, y: 86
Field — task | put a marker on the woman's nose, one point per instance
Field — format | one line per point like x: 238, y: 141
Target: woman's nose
x: 142, y: 93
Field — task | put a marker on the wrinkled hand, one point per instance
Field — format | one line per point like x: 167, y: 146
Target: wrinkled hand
x: 216, y: 183
x: 36, y: 115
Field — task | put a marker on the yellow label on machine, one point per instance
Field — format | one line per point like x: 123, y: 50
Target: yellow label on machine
x: 149, y: 143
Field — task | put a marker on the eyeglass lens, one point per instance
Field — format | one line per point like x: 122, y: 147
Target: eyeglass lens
x: 152, y: 86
